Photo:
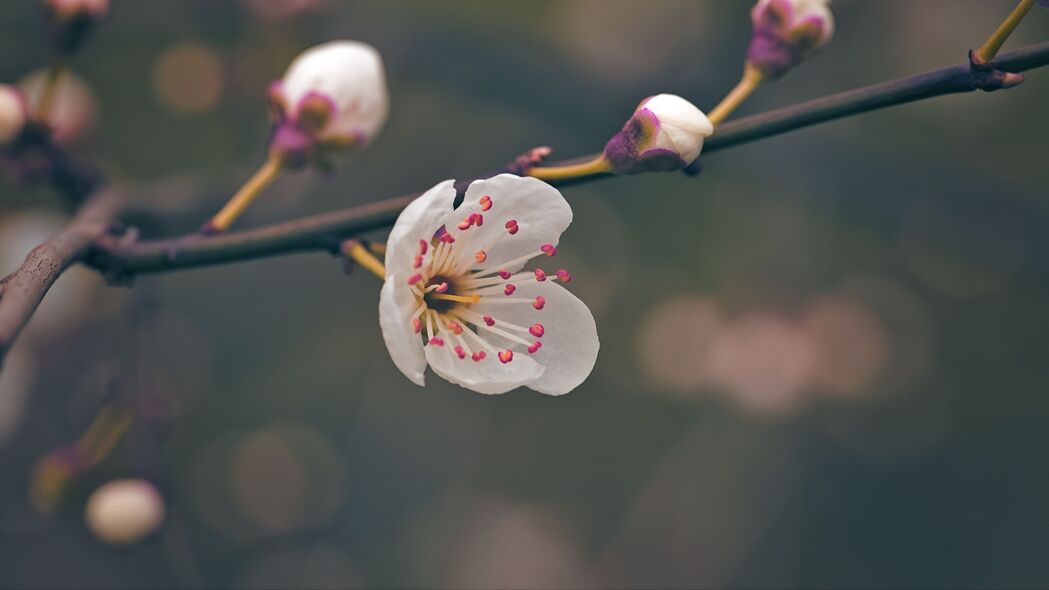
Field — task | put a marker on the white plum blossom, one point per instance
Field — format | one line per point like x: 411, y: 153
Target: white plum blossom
x: 14, y: 113
x: 456, y: 296
x: 333, y: 95
x: 785, y: 32
x: 666, y: 132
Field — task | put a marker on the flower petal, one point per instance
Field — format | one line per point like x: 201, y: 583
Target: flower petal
x: 540, y: 211
x: 396, y: 305
x: 488, y: 375
x: 419, y: 220
x: 570, y: 341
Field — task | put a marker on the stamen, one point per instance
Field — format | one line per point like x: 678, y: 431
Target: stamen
x: 479, y: 221
x: 534, y: 347
x: 474, y: 317
x: 511, y: 226
x: 457, y: 328
x: 539, y: 303
x: 460, y: 298
x: 504, y: 274
x: 537, y: 330
x: 442, y: 288
x: 505, y: 356
x: 509, y: 290
x: 417, y: 325
x: 465, y: 224
x: 548, y: 249
x: 418, y: 261
x: 423, y: 246
x: 460, y: 352
x: 488, y: 320
x: 540, y: 275
x: 415, y: 278
x: 486, y: 203
x: 564, y: 276
x: 480, y: 256
x: 436, y: 341
x: 447, y: 238
x: 478, y: 356
x: 510, y: 263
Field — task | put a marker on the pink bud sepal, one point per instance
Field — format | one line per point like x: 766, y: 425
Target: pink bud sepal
x: 627, y: 151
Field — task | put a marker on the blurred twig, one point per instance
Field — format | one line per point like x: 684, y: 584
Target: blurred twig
x: 22, y: 290
x: 325, y: 232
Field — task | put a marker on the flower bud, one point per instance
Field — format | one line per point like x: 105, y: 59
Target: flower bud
x: 665, y: 133
x: 70, y: 21
x: 72, y: 114
x: 124, y: 511
x: 333, y: 96
x: 785, y: 32
x: 13, y: 113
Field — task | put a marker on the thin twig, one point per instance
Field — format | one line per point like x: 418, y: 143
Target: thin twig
x: 23, y: 290
x: 326, y: 231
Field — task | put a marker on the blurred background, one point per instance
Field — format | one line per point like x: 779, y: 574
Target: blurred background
x: 821, y: 363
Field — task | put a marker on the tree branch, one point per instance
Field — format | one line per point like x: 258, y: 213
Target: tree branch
x: 325, y: 231
x: 23, y: 290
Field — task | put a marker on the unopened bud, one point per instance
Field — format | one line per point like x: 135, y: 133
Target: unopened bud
x: 13, y: 113
x: 786, y: 32
x: 665, y: 133
x: 124, y: 511
x: 72, y: 111
x: 333, y: 96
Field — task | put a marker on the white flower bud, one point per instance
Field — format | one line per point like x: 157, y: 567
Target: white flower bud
x: 73, y: 109
x: 335, y: 92
x: 124, y: 511
x: 786, y: 32
x: 665, y: 133
x: 13, y: 113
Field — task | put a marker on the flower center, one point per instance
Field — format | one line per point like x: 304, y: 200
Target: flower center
x: 451, y: 277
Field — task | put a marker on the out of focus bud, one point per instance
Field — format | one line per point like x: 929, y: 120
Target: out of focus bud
x: 71, y: 113
x: 13, y: 113
x: 124, y: 511
x: 665, y: 133
x: 786, y: 32
x: 70, y: 21
x: 332, y: 97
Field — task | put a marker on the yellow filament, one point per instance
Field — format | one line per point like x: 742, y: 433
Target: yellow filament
x: 460, y: 298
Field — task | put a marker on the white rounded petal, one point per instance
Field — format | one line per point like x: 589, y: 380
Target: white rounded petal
x: 539, y: 210
x: 13, y: 114
x: 488, y: 375
x: 570, y: 341
x: 396, y: 305
x: 682, y: 125
x: 351, y: 75
x: 419, y: 220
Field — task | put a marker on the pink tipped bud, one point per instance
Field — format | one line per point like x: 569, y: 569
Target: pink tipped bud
x: 786, y: 32
x: 14, y: 113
